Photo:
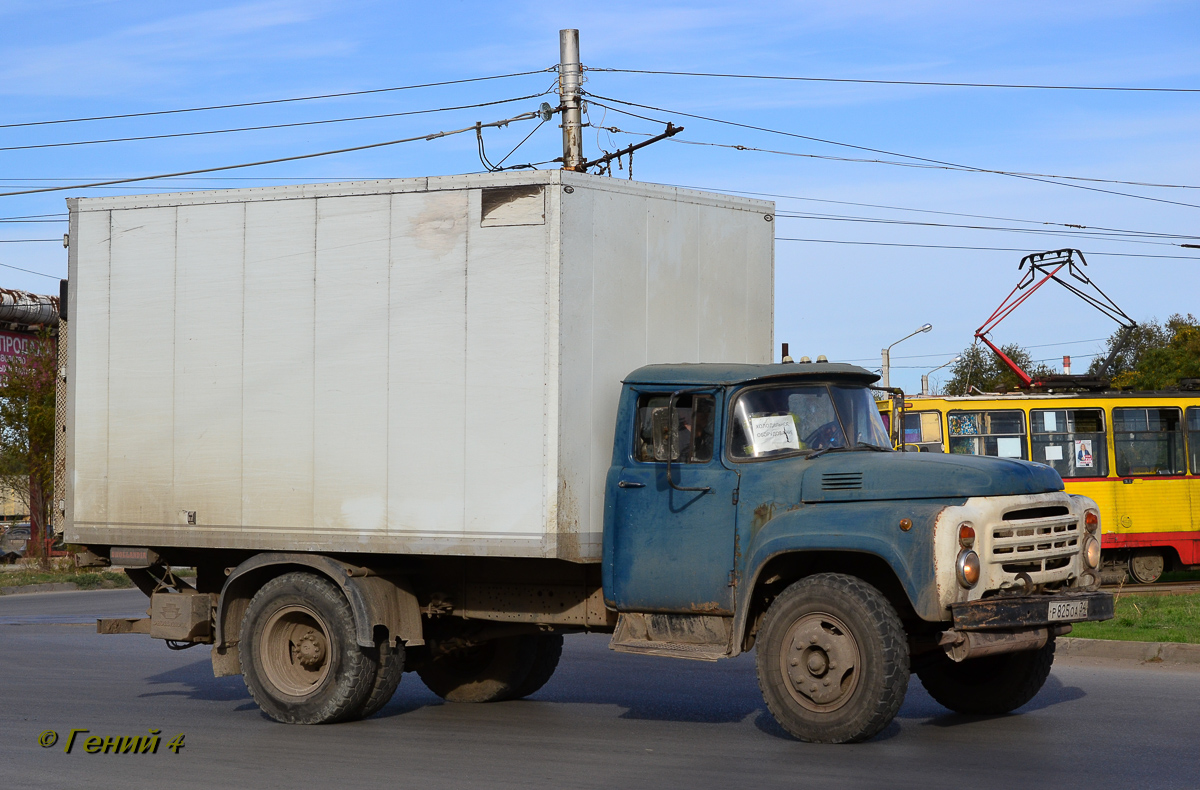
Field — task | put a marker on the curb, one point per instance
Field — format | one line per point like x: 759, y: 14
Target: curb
x: 1156, y: 652
x: 38, y: 588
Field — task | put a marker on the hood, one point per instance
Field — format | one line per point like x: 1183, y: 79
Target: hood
x: 863, y: 476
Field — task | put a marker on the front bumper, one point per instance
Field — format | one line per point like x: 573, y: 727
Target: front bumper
x: 1030, y: 611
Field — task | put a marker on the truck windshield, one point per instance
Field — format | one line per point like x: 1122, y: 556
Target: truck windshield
x: 798, y: 419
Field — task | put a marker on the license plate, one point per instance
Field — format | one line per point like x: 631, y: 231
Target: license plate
x: 1068, y: 610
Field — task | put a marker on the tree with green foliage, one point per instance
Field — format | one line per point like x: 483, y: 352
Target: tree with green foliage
x: 1160, y: 356
x: 27, y: 433
x: 981, y: 370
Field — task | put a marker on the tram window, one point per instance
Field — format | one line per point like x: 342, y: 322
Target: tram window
x: 924, y: 429
x: 1193, y: 427
x: 995, y: 433
x: 1148, y: 442
x: 1070, y: 440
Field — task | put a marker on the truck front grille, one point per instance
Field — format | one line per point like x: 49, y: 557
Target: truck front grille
x: 1033, y: 545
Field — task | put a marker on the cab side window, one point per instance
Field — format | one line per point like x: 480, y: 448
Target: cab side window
x: 995, y: 433
x: 1148, y: 442
x: 690, y: 440
x: 1070, y: 440
x: 924, y: 429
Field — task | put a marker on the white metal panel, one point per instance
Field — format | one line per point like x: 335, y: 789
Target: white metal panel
x: 427, y: 365
x: 351, y: 356
x: 673, y: 314
x: 618, y: 241
x: 576, y: 477
x: 89, y: 320
x: 208, y: 364
x: 141, y: 367
x: 723, y: 290
x: 505, y: 383
x: 277, y: 399
x: 760, y: 287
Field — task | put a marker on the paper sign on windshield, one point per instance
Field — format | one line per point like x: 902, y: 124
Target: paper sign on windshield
x: 774, y: 433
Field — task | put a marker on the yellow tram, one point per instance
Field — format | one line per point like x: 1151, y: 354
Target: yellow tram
x: 1136, y: 454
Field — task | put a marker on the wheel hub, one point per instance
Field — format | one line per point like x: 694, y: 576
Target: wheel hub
x: 820, y: 666
x: 293, y: 647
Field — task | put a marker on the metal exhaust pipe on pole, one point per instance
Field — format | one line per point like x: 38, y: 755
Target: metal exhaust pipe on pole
x: 570, y: 83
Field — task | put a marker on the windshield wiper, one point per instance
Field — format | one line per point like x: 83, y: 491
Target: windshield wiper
x: 824, y: 450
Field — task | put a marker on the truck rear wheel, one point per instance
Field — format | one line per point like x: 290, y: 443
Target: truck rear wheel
x: 990, y: 685
x: 490, y: 671
x: 387, y: 679
x: 298, y: 652
x: 545, y: 661
x: 832, y: 659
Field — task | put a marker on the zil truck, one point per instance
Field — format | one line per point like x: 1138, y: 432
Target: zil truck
x: 433, y: 425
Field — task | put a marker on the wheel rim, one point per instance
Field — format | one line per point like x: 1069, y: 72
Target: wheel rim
x: 1146, y: 568
x: 819, y: 662
x: 294, y: 647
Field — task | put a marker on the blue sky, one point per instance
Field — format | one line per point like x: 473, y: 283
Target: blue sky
x: 73, y: 59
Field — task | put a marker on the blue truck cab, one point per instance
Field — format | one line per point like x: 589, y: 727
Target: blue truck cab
x: 763, y: 506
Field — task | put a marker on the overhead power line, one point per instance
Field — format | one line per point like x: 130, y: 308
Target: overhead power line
x: 1009, y: 173
x: 30, y: 271
x: 278, y: 101
x: 1123, y: 238
x: 988, y: 249
x: 931, y: 211
x: 273, y: 125
x: 924, y: 166
x: 22, y: 241
x: 523, y: 117
x: 900, y: 82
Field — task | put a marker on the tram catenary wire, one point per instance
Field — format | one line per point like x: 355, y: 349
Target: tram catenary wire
x: 986, y: 249
x: 921, y: 83
x: 1047, y: 179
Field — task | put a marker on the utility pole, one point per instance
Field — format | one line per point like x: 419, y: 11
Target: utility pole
x: 570, y: 81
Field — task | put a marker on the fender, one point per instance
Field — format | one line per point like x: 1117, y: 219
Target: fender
x: 868, y: 528
x: 374, y: 600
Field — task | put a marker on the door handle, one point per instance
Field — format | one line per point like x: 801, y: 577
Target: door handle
x: 630, y: 484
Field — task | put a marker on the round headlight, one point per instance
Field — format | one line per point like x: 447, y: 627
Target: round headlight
x: 1091, y: 520
x: 1091, y: 552
x: 967, y: 568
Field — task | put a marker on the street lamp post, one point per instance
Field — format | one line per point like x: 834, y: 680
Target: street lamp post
x: 925, y: 376
x: 886, y: 353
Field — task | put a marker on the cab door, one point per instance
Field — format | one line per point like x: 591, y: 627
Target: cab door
x: 672, y: 541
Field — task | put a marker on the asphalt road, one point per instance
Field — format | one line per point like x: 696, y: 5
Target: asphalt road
x: 604, y: 720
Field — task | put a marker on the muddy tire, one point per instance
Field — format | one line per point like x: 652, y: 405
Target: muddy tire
x: 832, y: 659
x: 491, y: 671
x: 547, y: 653
x: 298, y: 652
x: 990, y: 685
x: 391, y: 669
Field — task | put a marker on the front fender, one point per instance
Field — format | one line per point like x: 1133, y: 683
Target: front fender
x: 872, y: 528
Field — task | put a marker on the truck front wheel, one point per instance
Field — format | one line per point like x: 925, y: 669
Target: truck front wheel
x: 832, y: 659
x: 298, y: 653
x: 489, y: 671
x: 990, y: 685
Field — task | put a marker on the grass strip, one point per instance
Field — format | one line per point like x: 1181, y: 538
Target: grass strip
x: 85, y: 580
x: 1149, y: 618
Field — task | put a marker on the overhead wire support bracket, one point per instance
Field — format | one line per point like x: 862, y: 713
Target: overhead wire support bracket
x: 671, y: 131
